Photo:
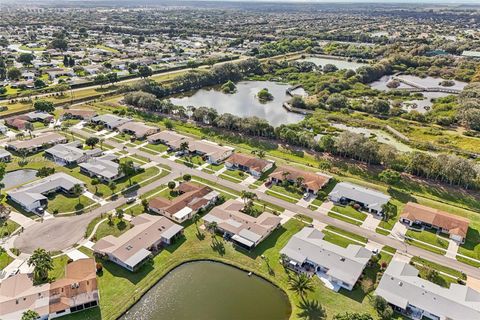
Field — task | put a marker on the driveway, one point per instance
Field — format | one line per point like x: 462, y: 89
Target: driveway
x: 63, y: 232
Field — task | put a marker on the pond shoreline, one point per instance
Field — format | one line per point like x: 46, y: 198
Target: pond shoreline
x: 231, y: 264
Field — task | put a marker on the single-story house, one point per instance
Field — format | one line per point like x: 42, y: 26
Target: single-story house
x: 106, y: 168
x: 369, y: 199
x: 76, y: 291
x: 37, y: 143
x: 38, y: 116
x: 213, y: 153
x: 5, y: 156
x: 193, y: 197
x: 253, y: 165
x: 109, y: 121
x: 71, y: 153
x: 34, y: 195
x: 81, y: 114
x: 138, y: 129
x: 3, y: 128
x: 134, y: 247
x: 20, y: 122
x: 456, y: 227
x: 418, y: 298
x: 311, y: 182
x: 169, y: 138
x: 307, y: 251
x: 243, y: 229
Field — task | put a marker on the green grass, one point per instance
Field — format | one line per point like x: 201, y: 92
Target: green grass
x: 289, y: 191
x: 116, y: 228
x: 304, y: 218
x: 428, y: 237
x: 441, y: 268
x: 156, y: 147
x: 58, y: 271
x: 471, y: 247
x: 65, y: 203
x: 5, y: 260
x: 446, y: 276
x: 8, y: 227
x: 343, y: 218
x: 236, y: 174
x: 468, y: 261
x: 350, y: 212
x: 389, y: 249
x: 347, y: 234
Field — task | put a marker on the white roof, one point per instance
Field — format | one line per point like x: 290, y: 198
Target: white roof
x: 401, y: 286
x: 182, y: 213
x: 372, y: 198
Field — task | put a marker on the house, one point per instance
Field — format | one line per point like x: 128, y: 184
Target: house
x: 193, y: 197
x: 76, y: 291
x: 109, y: 121
x: 3, y: 128
x: 416, y: 214
x: 5, y: 156
x: 138, y: 129
x: 417, y: 298
x: 37, y: 143
x: 252, y: 165
x: 39, y: 116
x: 371, y: 200
x: 20, y: 122
x: 34, y: 195
x: 106, y: 168
x: 134, y: 247
x: 242, y: 229
x: 211, y: 152
x: 169, y: 138
x: 81, y: 114
x: 342, y: 267
x: 71, y: 153
x: 311, y: 182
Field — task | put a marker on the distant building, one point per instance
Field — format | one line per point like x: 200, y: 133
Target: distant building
x: 106, y: 168
x: 138, y: 129
x: 149, y: 234
x: 252, y: 165
x: 82, y: 114
x: 5, y: 156
x: 36, y: 144
x: 307, y: 251
x: 311, y: 182
x: 415, y: 214
x: 109, y: 121
x: 71, y: 153
x: 241, y: 228
x: 76, y: 291
x: 369, y: 199
x: 421, y: 299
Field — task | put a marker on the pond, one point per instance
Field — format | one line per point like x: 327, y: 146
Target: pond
x: 207, y: 291
x: 18, y: 177
x: 243, y: 102
x: 340, y: 64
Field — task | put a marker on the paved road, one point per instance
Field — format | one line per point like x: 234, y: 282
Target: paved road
x: 63, y: 232
x: 73, y: 229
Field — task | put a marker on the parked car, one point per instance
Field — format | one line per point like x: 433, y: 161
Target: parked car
x: 131, y: 200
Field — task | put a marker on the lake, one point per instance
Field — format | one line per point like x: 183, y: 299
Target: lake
x: 209, y: 291
x: 243, y: 102
x: 340, y: 64
x: 18, y: 177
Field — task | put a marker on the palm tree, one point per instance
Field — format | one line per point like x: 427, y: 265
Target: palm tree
x: 42, y: 262
x: 119, y: 213
x: 128, y: 169
x: 184, y: 146
x: 95, y: 182
x: 77, y: 190
x: 301, y: 285
x: 112, y: 186
x: 300, y: 181
x: 212, y: 226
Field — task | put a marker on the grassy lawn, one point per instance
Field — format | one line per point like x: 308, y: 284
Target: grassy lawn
x: 289, y: 191
x: 304, y: 218
x: 394, y: 207
x: 428, y: 237
x: 347, y: 234
x: 8, y: 227
x: 350, y: 212
x: 5, y: 260
x: 236, y: 174
x: 471, y: 247
x: 446, y: 275
x: 115, y: 228
x: 117, y: 284
x: 59, y: 264
x: 280, y: 196
x: 156, y: 147
x: 61, y: 203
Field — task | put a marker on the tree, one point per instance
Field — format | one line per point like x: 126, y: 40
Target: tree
x: 195, y: 219
x: 187, y: 177
x: 13, y: 73
x: 301, y: 285
x: 168, y: 124
x: 126, y: 41
x: 390, y: 176
x: 264, y: 95
x: 337, y: 101
x: 171, y: 185
x: 44, y: 105
x: 112, y: 77
x: 212, y: 226
x: 119, y: 213
x: 145, y: 205
x: 184, y: 147
x: 382, y: 307
x: 144, y: 71
x: 95, y: 182
x: 39, y: 83
x: 30, y: 315
x: 77, y: 190
x: 92, y: 141
x: 329, y: 68
x: 112, y: 186
x: 100, y: 80
x: 26, y: 58
x: 128, y: 169
x: 59, y: 43
x: 42, y: 262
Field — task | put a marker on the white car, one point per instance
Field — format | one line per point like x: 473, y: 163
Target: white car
x: 131, y: 200
x: 306, y: 195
